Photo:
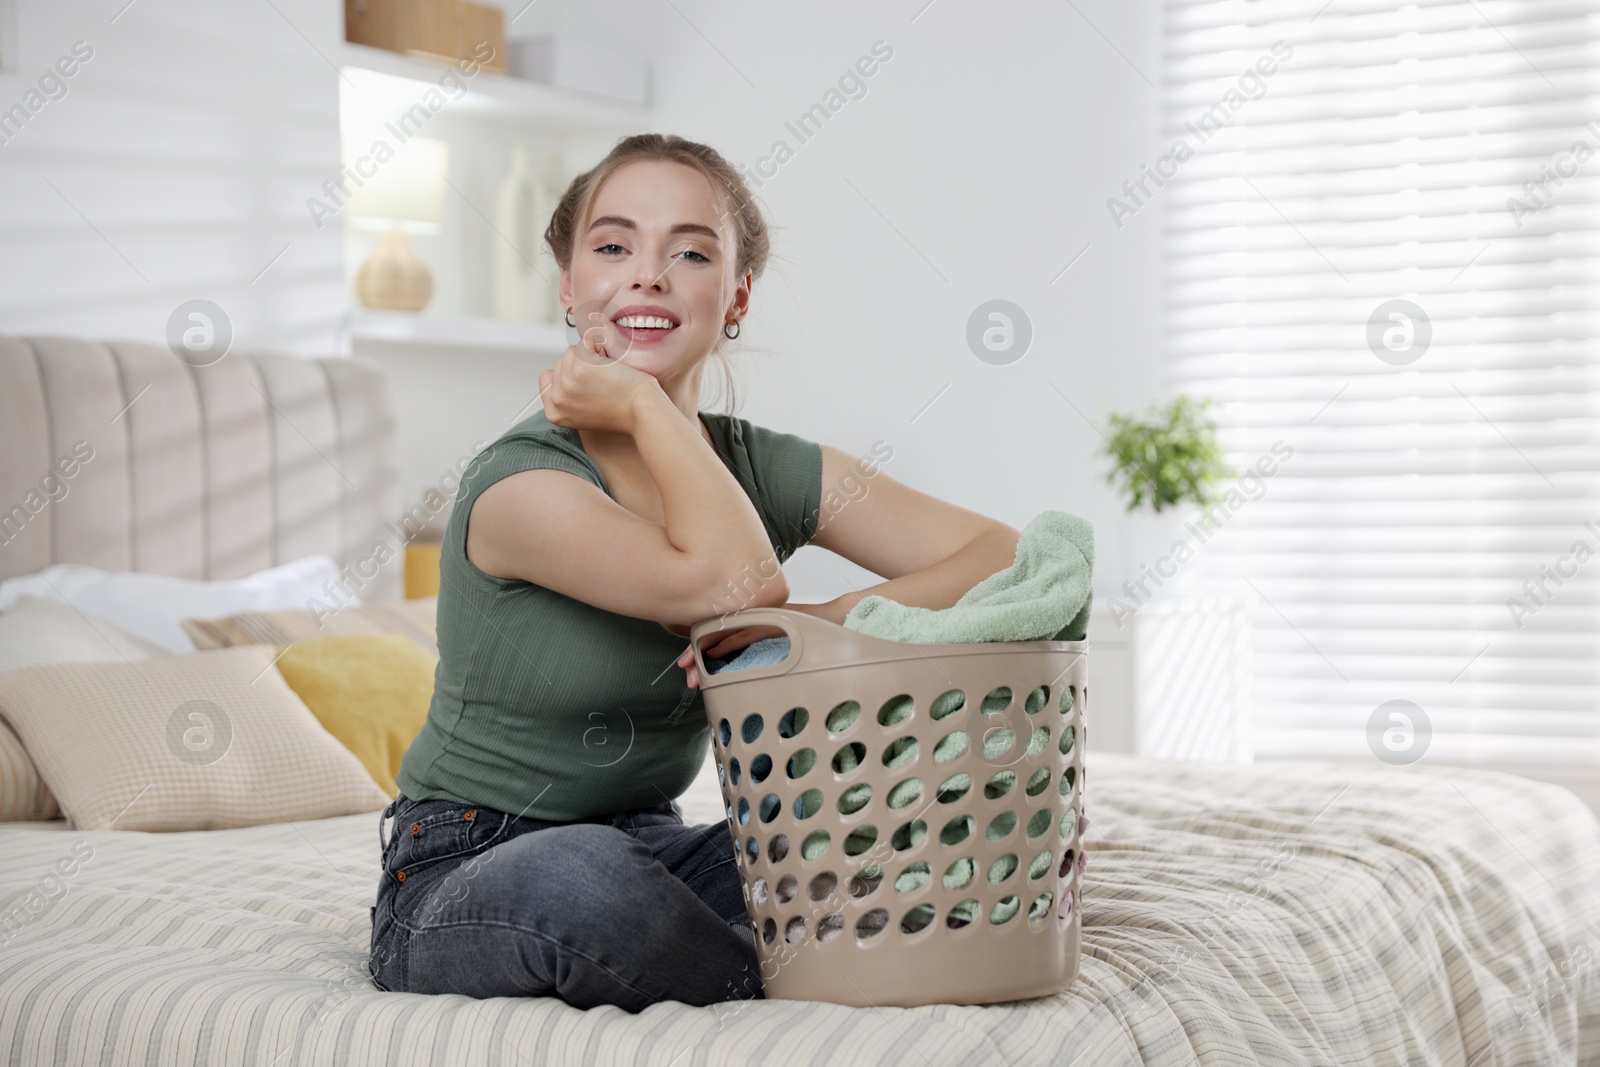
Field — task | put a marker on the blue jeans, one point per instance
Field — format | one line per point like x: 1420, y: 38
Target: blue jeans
x: 626, y: 909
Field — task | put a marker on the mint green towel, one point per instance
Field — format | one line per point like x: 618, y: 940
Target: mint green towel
x: 1045, y: 595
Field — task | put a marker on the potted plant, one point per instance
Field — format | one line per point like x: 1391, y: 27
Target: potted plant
x: 1166, y: 465
x: 1168, y: 468
x: 1169, y: 458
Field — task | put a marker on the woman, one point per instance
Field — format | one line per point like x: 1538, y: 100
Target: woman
x: 536, y: 849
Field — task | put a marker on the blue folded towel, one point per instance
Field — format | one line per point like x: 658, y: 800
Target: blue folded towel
x: 1045, y: 595
x: 758, y: 654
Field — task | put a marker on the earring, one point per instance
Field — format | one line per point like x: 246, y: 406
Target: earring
x: 569, y: 319
x: 735, y: 333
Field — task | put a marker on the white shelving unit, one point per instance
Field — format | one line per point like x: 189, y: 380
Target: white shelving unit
x: 496, y: 110
x: 405, y: 328
x: 387, y: 77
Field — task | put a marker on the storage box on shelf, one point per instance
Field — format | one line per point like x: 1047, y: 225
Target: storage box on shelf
x: 443, y: 29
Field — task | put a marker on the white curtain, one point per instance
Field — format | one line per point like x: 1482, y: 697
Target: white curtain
x: 1381, y: 228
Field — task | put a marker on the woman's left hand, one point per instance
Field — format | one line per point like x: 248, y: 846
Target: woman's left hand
x: 725, y: 648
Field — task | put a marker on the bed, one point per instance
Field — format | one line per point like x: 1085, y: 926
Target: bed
x: 1279, y: 913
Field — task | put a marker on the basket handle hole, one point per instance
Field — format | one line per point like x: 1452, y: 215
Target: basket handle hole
x: 760, y: 645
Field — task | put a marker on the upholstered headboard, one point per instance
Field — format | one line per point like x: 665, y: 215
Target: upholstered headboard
x: 121, y: 456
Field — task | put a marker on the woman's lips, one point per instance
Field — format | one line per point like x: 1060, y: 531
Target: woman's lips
x: 644, y: 325
x: 642, y: 335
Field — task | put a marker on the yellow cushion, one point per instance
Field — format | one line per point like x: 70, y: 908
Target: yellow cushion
x: 371, y: 691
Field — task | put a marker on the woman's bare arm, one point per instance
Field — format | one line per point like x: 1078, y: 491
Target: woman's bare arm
x: 557, y: 530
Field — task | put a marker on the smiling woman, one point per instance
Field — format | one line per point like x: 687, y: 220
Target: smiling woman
x: 582, y: 545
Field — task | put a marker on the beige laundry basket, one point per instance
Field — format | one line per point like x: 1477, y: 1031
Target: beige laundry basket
x: 906, y: 818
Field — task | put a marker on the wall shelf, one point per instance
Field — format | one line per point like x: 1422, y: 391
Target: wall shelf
x: 369, y: 326
x: 393, y: 82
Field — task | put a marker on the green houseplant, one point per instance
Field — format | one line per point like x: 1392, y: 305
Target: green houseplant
x: 1169, y: 469
x: 1167, y: 458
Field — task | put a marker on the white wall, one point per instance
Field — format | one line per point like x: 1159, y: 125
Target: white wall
x: 176, y: 167
x: 990, y: 142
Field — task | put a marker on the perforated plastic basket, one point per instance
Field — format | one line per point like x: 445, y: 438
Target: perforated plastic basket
x: 905, y: 817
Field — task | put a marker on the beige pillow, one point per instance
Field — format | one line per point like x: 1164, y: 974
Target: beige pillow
x: 23, y: 796
x: 200, y: 741
x: 34, y: 631
x: 410, y: 618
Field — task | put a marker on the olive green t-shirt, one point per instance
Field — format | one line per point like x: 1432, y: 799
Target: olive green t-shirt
x: 547, y: 706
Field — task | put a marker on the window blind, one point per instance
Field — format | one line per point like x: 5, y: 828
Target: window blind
x: 1382, y: 255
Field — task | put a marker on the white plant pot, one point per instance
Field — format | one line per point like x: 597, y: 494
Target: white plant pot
x: 1152, y: 561
x: 1172, y: 681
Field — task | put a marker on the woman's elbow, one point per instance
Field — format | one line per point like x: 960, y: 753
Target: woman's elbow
x: 763, y: 586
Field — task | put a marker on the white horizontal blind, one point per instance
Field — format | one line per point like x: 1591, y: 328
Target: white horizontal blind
x: 1385, y: 157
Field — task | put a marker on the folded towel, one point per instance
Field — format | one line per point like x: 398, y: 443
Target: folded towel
x: 1044, y: 595
x: 760, y: 653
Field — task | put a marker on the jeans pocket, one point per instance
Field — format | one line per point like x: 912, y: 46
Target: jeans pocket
x: 434, y: 830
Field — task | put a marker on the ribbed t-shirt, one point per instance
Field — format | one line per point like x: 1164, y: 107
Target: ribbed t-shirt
x: 547, y: 706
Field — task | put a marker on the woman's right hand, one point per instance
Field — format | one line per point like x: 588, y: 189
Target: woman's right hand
x: 588, y: 390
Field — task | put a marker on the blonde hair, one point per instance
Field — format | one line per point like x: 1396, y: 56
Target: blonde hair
x: 751, y: 228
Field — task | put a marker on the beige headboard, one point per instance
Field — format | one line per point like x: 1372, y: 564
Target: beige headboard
x: 197, y: 472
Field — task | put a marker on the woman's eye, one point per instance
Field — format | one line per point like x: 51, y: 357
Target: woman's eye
x: 692, y: 252
x: 613, y: 244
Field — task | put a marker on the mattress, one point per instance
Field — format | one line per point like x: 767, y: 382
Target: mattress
x: 1281, y: 913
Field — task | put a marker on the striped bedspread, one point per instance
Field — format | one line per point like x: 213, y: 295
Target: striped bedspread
x: 1276, y: 914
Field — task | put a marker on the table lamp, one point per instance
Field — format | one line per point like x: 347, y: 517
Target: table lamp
x: 404, y: 193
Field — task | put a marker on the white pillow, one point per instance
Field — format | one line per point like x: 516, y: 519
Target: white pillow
x: 35, y: 630
x: 151, y: 605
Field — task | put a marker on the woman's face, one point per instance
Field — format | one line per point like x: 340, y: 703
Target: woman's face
x: 654, y: 267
